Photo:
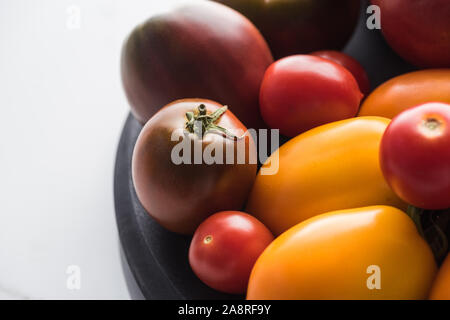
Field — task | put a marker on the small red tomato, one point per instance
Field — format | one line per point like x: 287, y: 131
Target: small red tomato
x: 351, y: 64
x: 415, y: 155
x: 224, y: 249
x: 301, y: 92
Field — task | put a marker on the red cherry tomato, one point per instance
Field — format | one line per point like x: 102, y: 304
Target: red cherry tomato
x: 224, y: 249
x: 301, y: 92
x: 351, y: 64
x: 415, y: 155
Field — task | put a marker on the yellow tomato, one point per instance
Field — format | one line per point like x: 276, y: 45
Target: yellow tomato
x: 441, y: 286
x: 328, y: 168
x: 406, y: 91
x: 365, y: 253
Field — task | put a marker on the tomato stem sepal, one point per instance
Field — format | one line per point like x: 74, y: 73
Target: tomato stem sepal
x: 202, y: 123
x: 434, y: 226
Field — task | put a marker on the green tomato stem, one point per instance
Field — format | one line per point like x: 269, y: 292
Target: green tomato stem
x: 202, y: 123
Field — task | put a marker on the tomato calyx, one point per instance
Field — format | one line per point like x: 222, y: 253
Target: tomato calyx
x: 202, y: 123
x: 432, y: 123
x: 432, y: 126
x: 434, y: 226
x: 208, y: 239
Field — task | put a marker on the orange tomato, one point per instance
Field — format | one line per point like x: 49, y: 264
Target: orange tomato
x: 331, y: 167
x: 406, y: 91
x: 441, y: 286
x: 365, y: 253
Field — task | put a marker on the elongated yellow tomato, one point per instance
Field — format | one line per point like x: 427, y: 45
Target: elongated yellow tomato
x: 332, y: 167
x: 406, y: 91
x: 366, y: 253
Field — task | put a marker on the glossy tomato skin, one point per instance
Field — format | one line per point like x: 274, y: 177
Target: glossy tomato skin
x: 332, y: 167
x: 415, y: 155
x: 332, y: 256
x: 351, y: 64
x: 298, y: 26
x: 202, y: 49
x: 225, y: 248
x: 406, y: 91
x: 418, y: 30
x: 181, y: 196
x: 441, y: 285
x: 301, y: 92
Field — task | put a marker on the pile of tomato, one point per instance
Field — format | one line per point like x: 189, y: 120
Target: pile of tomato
x: 355, y: 205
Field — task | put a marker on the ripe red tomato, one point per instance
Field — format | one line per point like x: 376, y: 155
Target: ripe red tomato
x: 415, y: 155
x: 351, y: 64
x: 225, y: 248
x: 301, y: 92
x: 418, y: 30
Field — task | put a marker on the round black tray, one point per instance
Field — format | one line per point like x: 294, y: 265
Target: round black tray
x: 158, y: 259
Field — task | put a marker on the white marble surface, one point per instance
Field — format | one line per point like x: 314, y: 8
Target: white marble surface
x: 61, y: 112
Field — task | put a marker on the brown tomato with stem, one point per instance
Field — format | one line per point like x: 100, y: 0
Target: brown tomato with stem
x: 192, y: 159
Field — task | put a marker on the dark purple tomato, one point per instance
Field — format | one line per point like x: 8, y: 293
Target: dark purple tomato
x: 202, y: 50
x: 298, y: 26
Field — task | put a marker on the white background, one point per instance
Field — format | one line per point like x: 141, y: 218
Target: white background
x: 62, y: 109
